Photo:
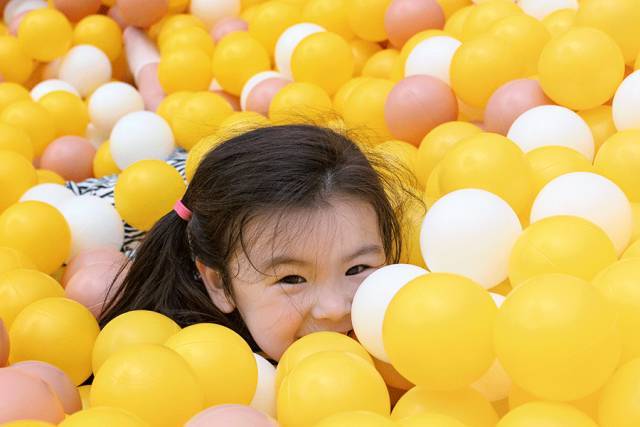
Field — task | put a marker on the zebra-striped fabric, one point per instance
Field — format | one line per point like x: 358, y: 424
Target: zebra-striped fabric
x: 103, y: 187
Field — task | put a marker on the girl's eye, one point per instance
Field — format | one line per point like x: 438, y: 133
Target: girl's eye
x: 357, y: 269
x: 292, y: 280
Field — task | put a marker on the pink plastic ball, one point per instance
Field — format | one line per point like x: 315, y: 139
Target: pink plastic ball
x: 509, y: 101
x: 231, y: 415
x: 149, y: 86
x: 75, y: 10
x: 115, y: 14
x: 259, y: 99
x: 62, y: 386
x: 405, y: 18
x: 71, y: 157
x: 91, y: 284
x: 227, y: 26
x: 105, y: 255
x: 25, y: 396
x: 142, y: 13
x: 418, y: 104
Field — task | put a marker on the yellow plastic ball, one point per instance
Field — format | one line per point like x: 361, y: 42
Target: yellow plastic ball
x: 198, y: 116
x: 330, y: 15
x: 491, y: 57
x: 59, y: 331
x: 581, y: 69
x: 438, y: 331
x: 618, y: 283
x: 16, y: 140
x: 177, y: 6
x: 152, y: 382
x: 103, y: 163
x: 619, y: 159
x: 345, y: 91
x: 69, y: 112
x: 560, y: 244
x: 366, y: 18
x: 237, y: 58
x: 146, y: 191
x: 404, y: 155
x: 300, y: 102
x: 449, y: 7
x: 17, y: 175
x: 412, y: 219
x: 422, y: 420
x: 328, y: 383
x: 364, y: 108
x: 102, y: 416
x: 556, y: 337
x: 171, y: 103
x: 633, y: 251
x: 356, y: 418
x: 197, y: 153
x: 526, y: 34
x: 551, y: 161
x: 381, y: 64
x: 186, y: 69
x: 45, y: 34
x: 362, y: 50
x: 560, y: 21
x: 100, y: 31
x: 15, y: 65
x: 490, y: 162
x: 21, y: 287
x: 28, y: 423
x: 12, y: 259
x: 221, y: 360
x: 34, y: 119
x: 618, y: 405
x: 316, y: 343
x: 600, y: 121
x: 188, y: 37
x: 39, y: 231
x: 177, y: 22
x: 618, y: 19
x: 482, y: 16
x: 466, y: 405
x: 133, y: 327
x: 547, y: 414
x: 12, y: 92
x: 84, y: 391
x: 454, y: 26
x: 270, y: 20
x: 438, y: 141
x: 46, y: 176
x: 324, y: 59
x: 588, y: 405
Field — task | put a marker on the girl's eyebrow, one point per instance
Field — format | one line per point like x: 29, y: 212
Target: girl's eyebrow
x: 367, y: 249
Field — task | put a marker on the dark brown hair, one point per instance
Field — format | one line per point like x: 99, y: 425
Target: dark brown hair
x: 266, y: 170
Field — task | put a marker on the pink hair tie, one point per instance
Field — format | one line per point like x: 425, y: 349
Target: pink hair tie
x: 182, y: 211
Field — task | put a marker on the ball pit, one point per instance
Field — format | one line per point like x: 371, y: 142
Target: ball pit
x: 515, y: 300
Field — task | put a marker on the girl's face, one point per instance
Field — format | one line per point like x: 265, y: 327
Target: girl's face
x: 301, y: 271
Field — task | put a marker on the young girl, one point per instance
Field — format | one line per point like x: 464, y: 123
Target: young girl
x: 277, y: 229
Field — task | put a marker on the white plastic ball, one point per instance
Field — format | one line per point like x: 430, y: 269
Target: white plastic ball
x: 16, y: 7
x: 112, y: 101
x: 141, y: 135
x: 547, y: 125
x: 539, y: 9
x: 96, y: 136
x: 432, y: 57
x: 592, y: 197
x: 85, y: 67
x: 255, y: 81
x: 626, y: 103
x: 288, y: 41
x: 54, y: 194
x: 53, y: 85
x: 371, y: 300
x: 94, y: 223
x: 470, y: 232
x: 264, y: 399
x: 212, y: 11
